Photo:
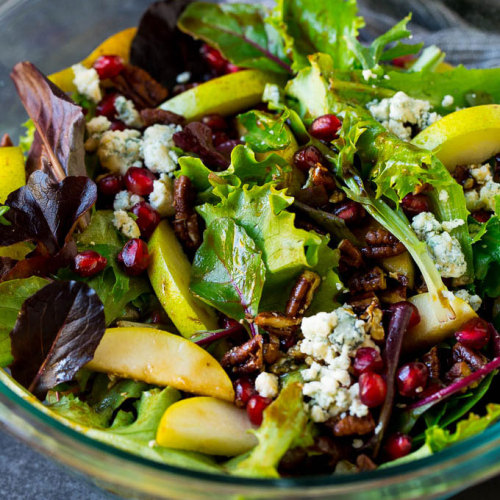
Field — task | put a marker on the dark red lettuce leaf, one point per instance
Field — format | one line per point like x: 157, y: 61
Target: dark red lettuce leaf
x: 56, y: 334
x: 59, y: 122
x: 46, y: 212
x: 197, y: 138
x: 162, y: 49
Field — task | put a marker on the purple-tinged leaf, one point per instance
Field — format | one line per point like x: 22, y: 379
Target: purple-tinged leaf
x: 206, y: 338
x: 56, y: 334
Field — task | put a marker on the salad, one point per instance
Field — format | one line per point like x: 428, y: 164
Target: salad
x: 235, y: 239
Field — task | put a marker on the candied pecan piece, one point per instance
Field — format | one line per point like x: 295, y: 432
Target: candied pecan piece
x: 373, y: 316
x: 461, y: 174
x: 314, y: 196
x: 431, y: 360
x: 381, y: 244
x: 6, y: 141
x: 245, y: 358
x: 351, y: 425
x: 152, y: 116
x: 475, y: 360
x: 277, y: 323
x: 350, y: 255
x: 362, y: 301
x: 459, y: 370
x: 302, y: 294
x: 139, y: 86
x: 394, y: 293
x: 364, y: 463
x: 186, y: 224
x: 321, y: 176
x: 271, y: 350
x: 369, y: 281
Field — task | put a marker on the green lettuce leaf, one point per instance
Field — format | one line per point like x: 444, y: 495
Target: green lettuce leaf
x: 487, y: 258
x: 228, y: 272
x: 265, y: 132
x: 12, y: 295
x: 239, y: 32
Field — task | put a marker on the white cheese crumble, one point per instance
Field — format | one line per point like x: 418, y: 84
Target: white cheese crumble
x: 127, y: 113
x: 443, y: 196
x: 162, y: 197
x: 183, y: 77
x: 474, y: 301
x: 158, y: 143
x: 120, y: 149
x: 124, y: 223
x: 266, y: 384
x: 95, y: 128
x: 330, y: 341
x: 125, y: 200
x: 398, y: 113
x: 368, y: 73
x: 86, y: 81
x: 487, y: 191
x: 444, y: 249
x: 447, y: 101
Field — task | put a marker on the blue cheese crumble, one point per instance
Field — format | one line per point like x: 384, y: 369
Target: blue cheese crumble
x: 159, y: 155
x: 86, y: 81
x: 125, y: 200
x: 444, y: 248
x: 474, y: 301
x: 95, y: 129
x: 125, y: 224
x: 120, y: 149
x: 162, y: 197
x: 266, y: 384
x: 330, y: 342
x: 484, y: 196
x: 398, y: 113
x: 127, y: 113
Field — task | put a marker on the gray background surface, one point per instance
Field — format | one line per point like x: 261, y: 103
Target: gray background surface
x: 469, y: 36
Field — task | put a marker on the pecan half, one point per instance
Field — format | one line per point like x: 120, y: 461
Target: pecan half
x: 373, y: 317
x: 369, y: 281
x: 350, y: 256
x: 277, y: 323
x: 431, y: 360
x: 245, y: 358
x: 271, y: 350
x: 6, y: 141
x: 139, y: 86
x: 302, y: 294
x: 152, y: 116
x: 459, y: 370
x: 186, y: 224
x: 351, y: 425
x: 381, y: 244
x: 475, y: 360
x: 362, y: 301
x: 321, y: 176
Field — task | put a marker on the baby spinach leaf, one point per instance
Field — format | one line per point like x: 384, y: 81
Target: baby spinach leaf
x: 228, y: 272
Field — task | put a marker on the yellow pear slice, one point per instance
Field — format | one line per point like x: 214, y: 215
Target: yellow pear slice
x: 161, y: 358
x: 170, y: 273
x: 471, y: 135
x: 12, y: 174
x: 431, y: 331
x: 117, y: 44
x: 206, y: 425
x: 226, y: 95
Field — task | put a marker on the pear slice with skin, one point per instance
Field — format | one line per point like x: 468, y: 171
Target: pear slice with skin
x: 226, y: 95
x: 161, y: 358
x: 465, y: 137
x: 169, y: 272
x: 206, y: 425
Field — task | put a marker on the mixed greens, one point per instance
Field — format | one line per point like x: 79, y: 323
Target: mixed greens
x: 249, y: 244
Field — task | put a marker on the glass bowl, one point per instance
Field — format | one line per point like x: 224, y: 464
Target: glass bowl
x: 54, y: 34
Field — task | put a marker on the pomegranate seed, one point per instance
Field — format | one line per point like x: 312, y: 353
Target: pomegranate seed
x: 255, y: 408
x: 307, y: 158
x: 117, y: 125
x: 403, y: 61
x: 398, y: 445
x: 108, y: 66
x: 244, y: 390
x: 134, y: 257
x: 232, y: 68
x: 475, y: 334
x: 350, y: 211
x: 214, y: 58
x: 219, y: 138
x: 107, y: 106
x: 147, y: 218
x: 482, y: 216
x: 89, y: 263
x: 415, y: 315
x: 110, y: 185
x: 229, y: 323
x: 139, y: 180
x: 372, y: 389
x: 215, y: 122
x: 367, y: 359
x: 325, y: 127
x: 414, y: 204
x: 412, y: 379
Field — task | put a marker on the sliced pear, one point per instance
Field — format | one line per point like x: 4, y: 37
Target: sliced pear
x: 161, y: 358
x: 206, y: 425
x: 12, y: 173
x: 430, y: 331
x: 117, y: 44
x: 401, y: 264
x: 170, y: 272
x: 468, y: 136
x: 226, y: 95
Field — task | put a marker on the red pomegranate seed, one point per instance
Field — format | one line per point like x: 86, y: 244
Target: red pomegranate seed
x: 139, y: 181
x: 414, y: 204
x: 229, y: 322
x: 215, y: 122
x: 475, y: 334
x: 107, y: 106
x: 117, y: 125
x: 110, y: 185
x: 482, y: 216
x: 403, y: 61
x: 325, y: 127
x: 147, y: 218
x: 108, y: 66
x: 398, y: 445
x: 244, y: 389
x: 367, y: 359
x: 214, y: 58
x: 134, y: 257
x: 412, y: 379
x: 372, y: 389
x: 89, y: 263
x: 415, y: 315
x: 350, y: 211
x: 255, y: 408
x: 232, y: 68
x: 307, y: 158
